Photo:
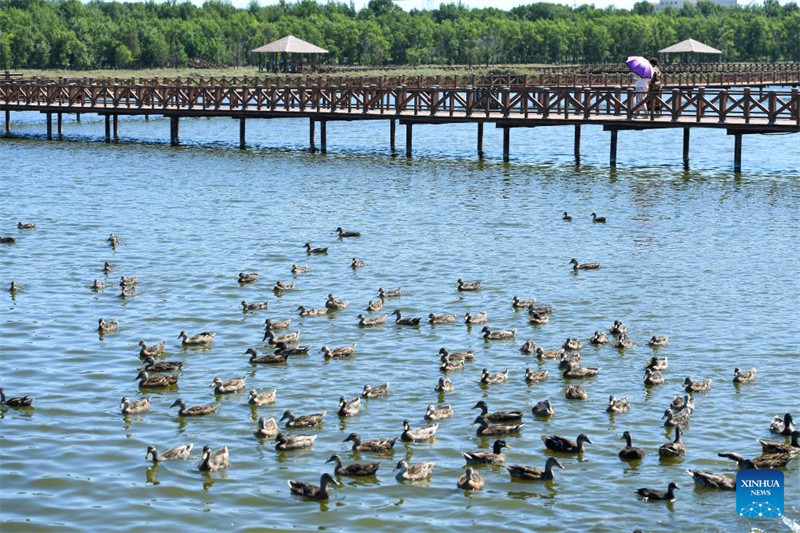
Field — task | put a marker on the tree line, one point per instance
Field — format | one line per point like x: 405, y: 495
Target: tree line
x: 68, y: 34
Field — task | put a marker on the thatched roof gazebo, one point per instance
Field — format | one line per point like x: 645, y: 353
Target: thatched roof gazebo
x: 690, y: 46
x: 288, y: 45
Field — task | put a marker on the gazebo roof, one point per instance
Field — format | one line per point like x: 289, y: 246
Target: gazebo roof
x: 291, y: 44
x: 689, y: 46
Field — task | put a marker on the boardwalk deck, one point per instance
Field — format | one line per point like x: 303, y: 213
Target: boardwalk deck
x: 738, y: 111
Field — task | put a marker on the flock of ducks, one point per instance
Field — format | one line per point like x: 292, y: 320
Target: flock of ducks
x: 162, y: 374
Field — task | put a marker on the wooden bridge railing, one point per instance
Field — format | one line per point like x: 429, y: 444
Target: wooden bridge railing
x: 761, y: 75
x: 436, y: 102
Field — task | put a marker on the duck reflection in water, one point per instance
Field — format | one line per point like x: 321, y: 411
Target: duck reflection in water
x: 150, y: 475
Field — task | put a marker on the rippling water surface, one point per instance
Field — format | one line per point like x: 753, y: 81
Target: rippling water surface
x: 704, y: 256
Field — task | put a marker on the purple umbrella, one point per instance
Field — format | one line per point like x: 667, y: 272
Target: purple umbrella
x: 640, y: 66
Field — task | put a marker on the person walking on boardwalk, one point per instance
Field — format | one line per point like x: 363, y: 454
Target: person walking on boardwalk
x: 656, y: 83
x: 641, y: 85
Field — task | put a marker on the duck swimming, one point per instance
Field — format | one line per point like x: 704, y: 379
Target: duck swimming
x: 281, y: 286
x: 374, y: 446
x: 651, y: 494
x: 462, y: 355
x: 26, y: 225
x: 400, y: 321
x: 528, y: 347
x: 128, y: 282
x: 566, y: 217
x: 572, y: 344
x: 293, y: 442
x: 195, y: 410
x: 549, y: 354
x: 255, y: 306
x: 480, y: 318
x: 316, y: 251
x: 356, y: 264
x: 703, y: 478
x: 486, y: 430
x: 444, y: 385
x: 375, y: 392
x: 653, y: 377
x: 617, y: 405
x: 248, y: 278
x: 569, y: 359
x: 113, y: 240
x: 151, y: 365
x: 351, y: 407
x: 630, y: 452
x: 769, y: 447
x: 269, y: 359
x: 228, y: 386
x: 155, y: 382
x: 297, y: 269
x: 197, y: 340
x: 335, y: 304
x: 543, y: 409
x: 107, y: 327
x: 389, y: 293
x: 313, y: 492
x: 658, y: 363
x: 761, y: 462
x: 471, y: 286
x: 597, y: 219
x: 496, y: 456
x: 438, y: 413
x: 416, y: 472
x: 353, y: 470
x: 497, y: 377
x: 179, y: 452
x: 470, y: 480
x: 418, y: 434
x: 214, y: 460
x: 531, y: 473
x: 576, y: 392
x: 538, y: 320
x: 338, y: 353
x: 782, y: 427
x: 623, y: 343
x: 127, y: 406
x: 286, y: 338
x: 599, y: 337
x: 535, y: 376
x: 497, y: 416
x: 743, y: 376
x: 672, y: 419
x: 21, y: 401
x: 675, y: 448
x: 583, y: 266
x: 565, y: 445
x: 305, y: 311
x: 305, y: 421
x: 375, y: 305
x: 441, y: 319
x: 365, y: 322
x: 262, y: 398
x: 679, y: 403
x: 344, y: 234
x: 497, y: 335
x: 266, y: 428
x: 618, y: 328
x: 151, y: 351
x: 690, y: 385
x: 522, y: 304
x: 580, y: 372
x: 658, y: 341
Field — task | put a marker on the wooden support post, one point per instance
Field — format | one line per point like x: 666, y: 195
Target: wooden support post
x: 242, y: 133
x: 78, y: 118
x: 506, y: 144
x: 323, y: 137
x: 409, y: 139
x: 577, y: 143
x: 737, y: 152
x: 613, y: 158
x: 115, y: 122
x: 146, y: 118
x: 8, y: 121
x: 480, y: 140
x: 174, y: 138
x: 393, y: 136
x: 686, y: 147
x: 59, y: 129
x: 311, y: 134
x: 108, y: 128
x: 49, y: 126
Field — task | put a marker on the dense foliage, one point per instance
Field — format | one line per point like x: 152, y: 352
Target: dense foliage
x: 71, y: 34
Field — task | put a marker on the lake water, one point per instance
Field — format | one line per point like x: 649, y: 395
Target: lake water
x: 704, y: 256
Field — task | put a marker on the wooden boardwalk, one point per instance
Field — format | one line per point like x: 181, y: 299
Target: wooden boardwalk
x: 739, y: 111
